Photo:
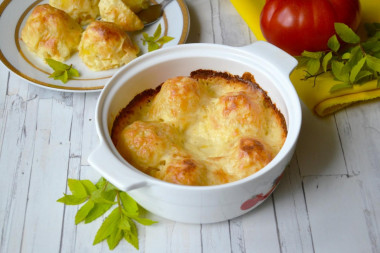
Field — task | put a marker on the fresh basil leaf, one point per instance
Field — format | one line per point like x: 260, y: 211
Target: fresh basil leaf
x: 84, y: 211
x: 72, y: 200
x: 97, y: 211
x: 129, y: 204
x: 157, y: 33
x: 89, y: 186
x: 326, y: 60
x: 114, y: 239
x: 363, y: 75
x: 356, y: 56
x: 333, y: 43
x: 369, y: 44
x: 164, y: 39
x: 62, y: 72
x: 101, y: 183
x: 110, y: 187
x: 153, y: 46
x: 346, y: 33
x: 73, y: 72
x: 56, y: 65
x: 302, y: 61
x: 108, y: 226
x: 124, y: 223
x: 99, y: 197
x: 63, y: 77
x: 346, y: 56
x: 100, y: 208
x: 373, y: 63
x: 340, y: 86
x: 77, y: 188
x: 336, y: 68
x: 155, y: 42
x: 312, y: 55
x: 143, y: 221
x: 132, y: 235
x: 356, y: 69
x: 57, y: 73
x: 313, y: 66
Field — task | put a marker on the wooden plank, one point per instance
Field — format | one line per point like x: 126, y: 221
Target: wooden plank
x: 216, y: 237
x: 359, y: 125
x: 158, y: 237
x: 4, y: 76
x: 15, y: 169
x: 17, y: 86
x: 198, y: 10
x: 169, y: 236
x: 76, y: 131
x: 259, y: 230
x: 318, y: 150
x: 291, y: 212
x: 69, y: 230
x: 43, y: 217
x: 336, y: 214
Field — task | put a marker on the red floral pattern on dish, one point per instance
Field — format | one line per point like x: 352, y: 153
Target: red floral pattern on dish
x: 260, y: 197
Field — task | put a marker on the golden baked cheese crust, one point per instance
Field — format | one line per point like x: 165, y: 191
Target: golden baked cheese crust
x: 137, y: 5
x: 118, y: 12
x: 83, y: 11
x: 104, y: 45
x: 207, y: 129
x: 51, y: 33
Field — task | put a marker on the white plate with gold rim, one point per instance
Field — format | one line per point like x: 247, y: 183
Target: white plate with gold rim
x: 16, y: 57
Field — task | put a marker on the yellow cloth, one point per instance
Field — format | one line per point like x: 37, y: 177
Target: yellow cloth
x: 318, y: 98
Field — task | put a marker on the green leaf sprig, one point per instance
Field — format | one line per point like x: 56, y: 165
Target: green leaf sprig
x: 353, y: 64
x: 155, y: 42
x: 62, y: 71
x: 99, y: 198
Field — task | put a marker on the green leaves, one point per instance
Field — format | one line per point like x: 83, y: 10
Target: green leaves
x: 373, y: 63
x: 333, y: 43
x: 352, y: 64
x: 346, y: 33
x: 100, y: 198
x: 155, y: 42
x: 62, y: 71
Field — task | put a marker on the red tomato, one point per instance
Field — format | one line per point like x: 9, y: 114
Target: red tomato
x: 298, y: 25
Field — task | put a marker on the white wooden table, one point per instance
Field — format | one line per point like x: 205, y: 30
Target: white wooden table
x: 328, y: 200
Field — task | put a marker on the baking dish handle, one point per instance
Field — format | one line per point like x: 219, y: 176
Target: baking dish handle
x: 114, y: 170
x: 282, y: 60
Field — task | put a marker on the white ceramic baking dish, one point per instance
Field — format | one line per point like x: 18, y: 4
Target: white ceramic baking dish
x: 197, y: 204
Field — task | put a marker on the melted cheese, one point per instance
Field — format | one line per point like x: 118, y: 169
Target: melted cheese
x: 104, y: 46
x: 83, y: 11
x: 210, y: 128
x: 118, y: 12
x: 51, y: 33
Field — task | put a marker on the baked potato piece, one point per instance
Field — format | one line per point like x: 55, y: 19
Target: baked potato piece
x: 137, y: 5
x: 118, y: 12
x: 83, y: 11
x: 177, y: 100
x: 51, y: 33
x: 104, y: 46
